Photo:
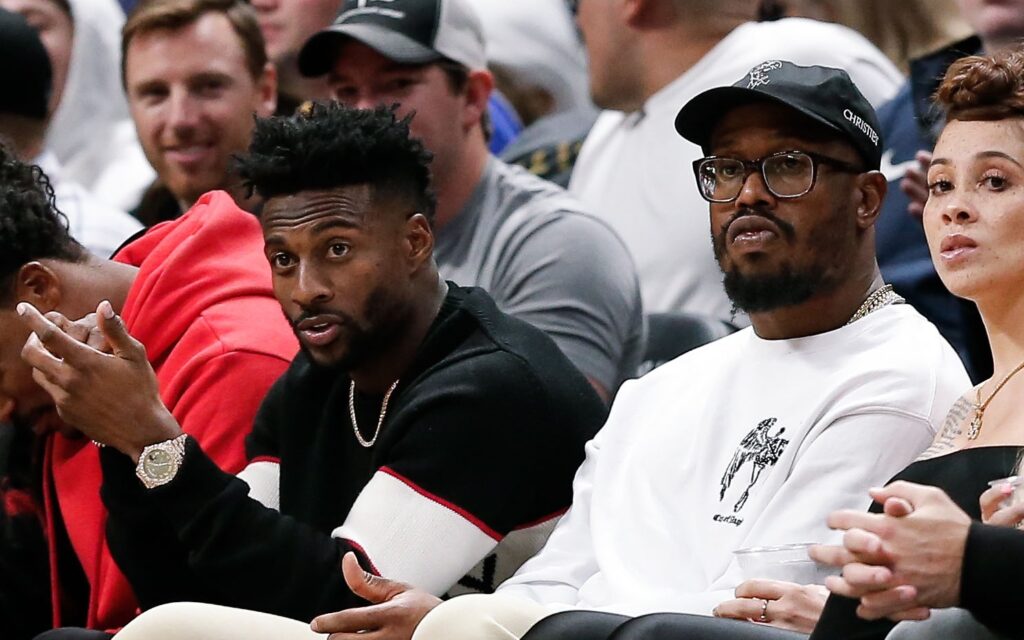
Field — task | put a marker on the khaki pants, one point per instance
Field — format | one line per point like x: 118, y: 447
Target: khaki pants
x: 194, y: 621
x: 483, y: 617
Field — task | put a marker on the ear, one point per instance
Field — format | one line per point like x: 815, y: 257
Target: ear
x: 872, y: 187
x: 38, y: 284
x: 478, y: 90
x: 266, y: 91
x: 419, y: 240
x: 641, y: 13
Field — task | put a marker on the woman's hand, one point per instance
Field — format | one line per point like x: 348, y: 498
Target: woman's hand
x: 993, y: 512
x: 789, y: 606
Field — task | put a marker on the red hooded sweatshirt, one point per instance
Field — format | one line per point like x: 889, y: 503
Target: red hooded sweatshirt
x: 203, y: 307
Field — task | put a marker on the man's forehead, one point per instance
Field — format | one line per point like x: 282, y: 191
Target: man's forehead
x: 347, y: 205
x: 771, y: 121
x: 211, y: 34
x: 352, y: 55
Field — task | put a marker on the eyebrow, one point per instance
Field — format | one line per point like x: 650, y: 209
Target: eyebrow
x: 998, y: 154
x: 390, y: 67
x: 982, y: 155
x: 335, y: 222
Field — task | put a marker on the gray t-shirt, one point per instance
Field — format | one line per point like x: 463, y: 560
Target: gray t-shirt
x: 545, y: 260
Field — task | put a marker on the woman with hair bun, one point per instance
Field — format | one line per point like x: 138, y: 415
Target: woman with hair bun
x: 935, y: 547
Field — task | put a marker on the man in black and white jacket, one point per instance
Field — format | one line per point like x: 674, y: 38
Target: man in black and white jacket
x: 420, y: 429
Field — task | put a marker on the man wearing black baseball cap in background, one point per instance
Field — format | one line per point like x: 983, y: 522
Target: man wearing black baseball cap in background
x: 750, y: 440
x: 534, y: 248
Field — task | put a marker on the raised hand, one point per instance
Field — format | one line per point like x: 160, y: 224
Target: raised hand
x: 915, y: 184
x: 995, y: 513
x: 112, y: 397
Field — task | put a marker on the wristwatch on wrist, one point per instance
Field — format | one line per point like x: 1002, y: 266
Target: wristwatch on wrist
x: 159, y: 462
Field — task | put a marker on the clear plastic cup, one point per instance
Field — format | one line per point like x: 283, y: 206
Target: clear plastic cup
x: 1017, y: 482
x: 788, y: 562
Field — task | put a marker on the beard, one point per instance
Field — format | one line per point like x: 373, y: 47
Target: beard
x: 385, y: 318
x: 755, y: 294
x: 788, y: 286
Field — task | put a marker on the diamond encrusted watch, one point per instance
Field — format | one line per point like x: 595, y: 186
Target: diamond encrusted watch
x: 159, y: 462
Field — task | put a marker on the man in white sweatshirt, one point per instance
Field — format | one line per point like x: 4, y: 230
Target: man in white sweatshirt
x: 749, y: 441
x: 646, y: 59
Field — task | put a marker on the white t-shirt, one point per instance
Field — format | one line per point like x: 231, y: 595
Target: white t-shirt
x: 635, y: 171
x: 804, y: 426
x: 91, y: 132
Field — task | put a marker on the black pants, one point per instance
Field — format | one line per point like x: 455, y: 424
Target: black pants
x: 592, y: 625
x: 74, y: 633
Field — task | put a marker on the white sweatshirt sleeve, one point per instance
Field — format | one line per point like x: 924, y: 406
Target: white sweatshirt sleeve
x: 567, y: 560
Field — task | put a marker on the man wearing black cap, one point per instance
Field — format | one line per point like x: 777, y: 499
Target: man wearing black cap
x: 749, y: 441
x: 534, y: 248
x: 24, y: 117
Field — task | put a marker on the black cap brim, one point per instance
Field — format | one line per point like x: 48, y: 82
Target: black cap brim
x: 698, y: 117
x: 317, y: 56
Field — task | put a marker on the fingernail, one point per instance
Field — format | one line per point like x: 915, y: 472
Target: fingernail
x: 22, y: 308
x: 314, y: 626
x: 106, y: 309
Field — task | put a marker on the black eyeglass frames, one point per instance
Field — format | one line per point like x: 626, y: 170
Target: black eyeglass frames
x: 786, y: 174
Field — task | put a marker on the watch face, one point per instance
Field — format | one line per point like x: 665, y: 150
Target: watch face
x: 159, y: 465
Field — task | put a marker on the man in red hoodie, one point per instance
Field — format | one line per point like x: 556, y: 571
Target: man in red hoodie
x: 196, y: 292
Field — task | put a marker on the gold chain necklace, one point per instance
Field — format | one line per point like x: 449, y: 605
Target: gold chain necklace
x: 880, y: 297
x: 380, y: 419
x: 979, y: 406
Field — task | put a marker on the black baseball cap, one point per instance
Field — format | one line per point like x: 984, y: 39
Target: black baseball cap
x: 25, y: 72
x: 823, y: 94
x: 406, y: 31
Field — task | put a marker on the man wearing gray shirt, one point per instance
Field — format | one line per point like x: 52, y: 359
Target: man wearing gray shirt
x: 533, y: 247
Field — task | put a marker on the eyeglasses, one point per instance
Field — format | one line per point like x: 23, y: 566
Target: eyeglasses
x: 787, y: 174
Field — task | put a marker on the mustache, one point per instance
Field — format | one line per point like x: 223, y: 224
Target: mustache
x: 341, y: 317
x: 787, y: 229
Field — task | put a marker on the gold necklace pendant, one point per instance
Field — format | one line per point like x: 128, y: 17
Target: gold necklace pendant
x: 975, y: 427
x: 979, y: 407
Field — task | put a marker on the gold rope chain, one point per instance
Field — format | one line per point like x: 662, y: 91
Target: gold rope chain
x: 380, y: 419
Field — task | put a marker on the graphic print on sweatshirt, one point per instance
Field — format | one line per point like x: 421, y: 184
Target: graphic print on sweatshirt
x: 758, y: 450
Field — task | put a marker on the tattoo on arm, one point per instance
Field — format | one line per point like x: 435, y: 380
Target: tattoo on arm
x: 946, y: 440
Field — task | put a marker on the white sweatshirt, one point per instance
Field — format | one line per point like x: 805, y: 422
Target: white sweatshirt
x: 809, y: 424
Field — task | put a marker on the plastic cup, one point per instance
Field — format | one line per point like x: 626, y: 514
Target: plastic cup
x: 788, y: 563
x: 1017, y: 482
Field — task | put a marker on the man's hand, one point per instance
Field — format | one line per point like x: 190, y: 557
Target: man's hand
x: 904, y: 560
x: 86, y: 330
x: 395, y: 608
x: 790, y: 606
x: 113, y: 397
x: 915, y: 184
